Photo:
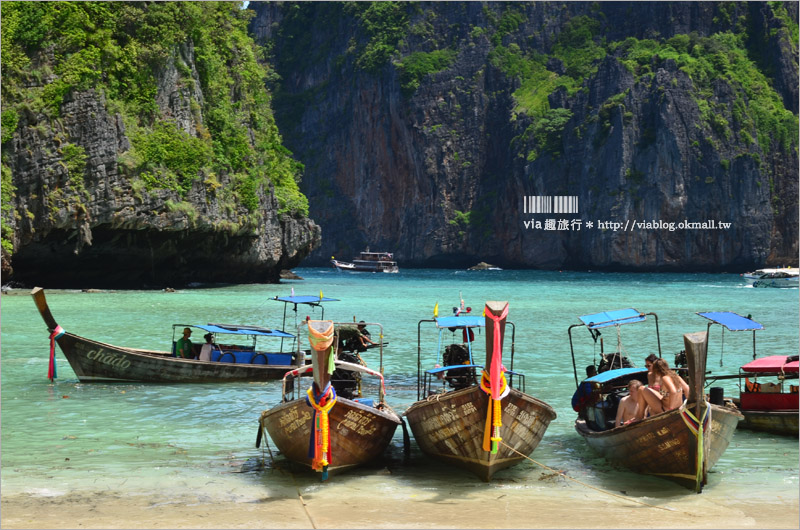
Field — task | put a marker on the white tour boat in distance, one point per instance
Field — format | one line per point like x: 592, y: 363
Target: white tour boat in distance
x: 781, y: 277
x: 368, y: 262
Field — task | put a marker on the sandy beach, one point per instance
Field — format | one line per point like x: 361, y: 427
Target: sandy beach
x: 552, y: 503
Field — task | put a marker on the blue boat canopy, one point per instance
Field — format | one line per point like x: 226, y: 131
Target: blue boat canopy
x: 612, y: 318
x: 305, y: 299
x: 452, y: 367
x: 605, y: 377
x: 461, y: 322
x: 233, y: 329
x: 732, y: 321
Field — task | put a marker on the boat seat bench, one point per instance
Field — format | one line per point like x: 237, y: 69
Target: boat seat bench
x: 249, y: 357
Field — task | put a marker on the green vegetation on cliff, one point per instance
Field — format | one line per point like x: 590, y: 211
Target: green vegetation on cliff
x: 127, y: 51
x: 385, y: 24
x: 6, y: 195
x: 414, y: 67
x: 757, y: 114
x: 757, y: 109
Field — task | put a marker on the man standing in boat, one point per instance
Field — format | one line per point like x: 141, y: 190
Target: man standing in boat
x: 364, y: 337
x: 183, y: 348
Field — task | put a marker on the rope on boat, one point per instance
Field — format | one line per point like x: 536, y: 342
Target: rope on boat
x: 563, y: 474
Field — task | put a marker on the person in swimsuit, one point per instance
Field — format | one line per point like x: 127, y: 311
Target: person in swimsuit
x: 670, y: 394
x: 653, y: 381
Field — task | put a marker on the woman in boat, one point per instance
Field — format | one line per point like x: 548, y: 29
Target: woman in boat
x: 670, y: 395
x: 205, y: 351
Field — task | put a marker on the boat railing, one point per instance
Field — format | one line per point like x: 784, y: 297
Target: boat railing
x: 291, y: 391
x: 422, y: 378
x: 510, y: 375
x: 444, y: 373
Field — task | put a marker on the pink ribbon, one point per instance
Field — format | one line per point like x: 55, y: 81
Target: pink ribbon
x: 496, y: 369
x: 56, y: 334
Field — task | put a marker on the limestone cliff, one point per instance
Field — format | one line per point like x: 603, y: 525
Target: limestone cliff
x: 423, y: 127
x: 137, y: 152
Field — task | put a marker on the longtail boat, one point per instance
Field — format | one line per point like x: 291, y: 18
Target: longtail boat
x: 237, y: 354
x: 768, y: 386
x: 680, y: 444
x: 472, y: 416
x: 320, y: 429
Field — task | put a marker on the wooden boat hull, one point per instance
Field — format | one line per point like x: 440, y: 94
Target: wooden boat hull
x: 775, y: 422
x: 663, y: 445
x: 359, y: 432
x: 450, y: 427
x: 97, y: 361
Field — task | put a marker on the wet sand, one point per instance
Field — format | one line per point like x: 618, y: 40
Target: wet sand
x: 558, y: 504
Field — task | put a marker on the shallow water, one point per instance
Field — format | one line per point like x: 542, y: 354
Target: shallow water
x: 140, y: 439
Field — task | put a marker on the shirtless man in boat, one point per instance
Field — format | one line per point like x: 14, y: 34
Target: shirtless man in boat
x: 626, y: 411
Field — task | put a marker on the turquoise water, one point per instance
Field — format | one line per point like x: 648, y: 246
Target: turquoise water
x: 140, y: 439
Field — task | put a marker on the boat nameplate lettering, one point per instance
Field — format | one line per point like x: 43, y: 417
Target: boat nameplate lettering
x: 445, y: 433
x: 294, y: 419
x: 511, y: 409
x: 664, y: 447
x: 646, y: 438
x: 522, y: 423
x: 108, y: 358
x: 468, y: 408
x: 359, y: 422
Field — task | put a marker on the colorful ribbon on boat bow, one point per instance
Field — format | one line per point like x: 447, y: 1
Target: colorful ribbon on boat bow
x: 320, y: 442
x: 322, y: 401
x: 55, y: 335
x: 694, y: 426
x: 497, y: 387
x: 320, y: 340
x: 494, y: 414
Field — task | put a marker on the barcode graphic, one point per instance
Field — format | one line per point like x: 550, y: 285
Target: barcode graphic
x: 550, y: 204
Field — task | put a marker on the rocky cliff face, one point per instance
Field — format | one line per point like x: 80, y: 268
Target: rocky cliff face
x: 648, y: 112
x: 109, y: 234
x: 83, y: 213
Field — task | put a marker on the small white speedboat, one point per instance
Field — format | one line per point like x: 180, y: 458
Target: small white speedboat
x: 783, y: 277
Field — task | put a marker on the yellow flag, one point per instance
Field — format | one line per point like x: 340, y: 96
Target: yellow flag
x: 320, y: 294
x: 436, y: 310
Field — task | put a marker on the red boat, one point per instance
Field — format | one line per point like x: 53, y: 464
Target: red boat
x: 769, y: 401
x: 767, y: 398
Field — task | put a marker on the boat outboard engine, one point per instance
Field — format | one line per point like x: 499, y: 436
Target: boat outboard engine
x: 680, y: 359
x: 613, y: 361
x: 345, y: 382
x: 458, y: 378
